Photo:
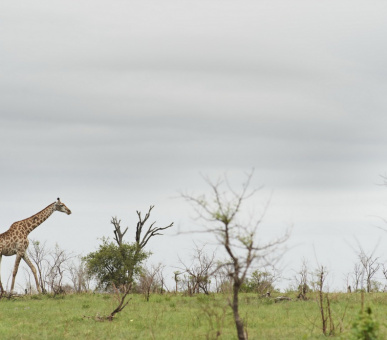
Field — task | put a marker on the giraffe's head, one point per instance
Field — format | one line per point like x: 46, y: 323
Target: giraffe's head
x: 59, y: 206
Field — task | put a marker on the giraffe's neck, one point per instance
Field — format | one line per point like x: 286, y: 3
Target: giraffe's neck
x: 32, y: 222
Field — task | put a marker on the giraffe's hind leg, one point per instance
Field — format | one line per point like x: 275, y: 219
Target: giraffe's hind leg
x: 15, y: 269
x: 28, y: 261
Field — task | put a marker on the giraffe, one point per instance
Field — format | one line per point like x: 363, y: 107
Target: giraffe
x: 15, y: 242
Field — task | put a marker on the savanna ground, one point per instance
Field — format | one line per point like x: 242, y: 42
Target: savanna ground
x: 173, y: 316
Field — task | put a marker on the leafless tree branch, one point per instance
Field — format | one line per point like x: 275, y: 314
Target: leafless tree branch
x: 152, y: 231
x: 222, y: 211
x: 118, y: 234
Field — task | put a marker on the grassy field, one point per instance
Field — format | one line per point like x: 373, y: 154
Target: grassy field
x: 177, y: 317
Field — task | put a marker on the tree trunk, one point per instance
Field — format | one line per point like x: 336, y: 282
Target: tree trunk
x: 242, y: 335
x: 368, y: 285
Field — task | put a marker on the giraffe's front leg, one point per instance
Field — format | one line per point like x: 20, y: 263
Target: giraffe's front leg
x: 17, y: 262
x: 28, y: 261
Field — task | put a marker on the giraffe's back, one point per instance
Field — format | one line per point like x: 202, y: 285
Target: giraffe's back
x: 13, y: 241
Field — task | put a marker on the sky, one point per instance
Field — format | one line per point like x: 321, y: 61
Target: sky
x: 116, y: 105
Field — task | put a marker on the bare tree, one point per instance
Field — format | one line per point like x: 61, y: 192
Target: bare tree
x: 384, y: 272
x: 370, y: 266
x: 324, y: 302
x: 52, y: 266
x: 79, y: 276
x: 38, y: 253
x: 302, y: 280
x: 223, y: 280
x: 200, y: 271
x: 28, y: 289
x: 149, y: 280
x: 331, y: 323
x: 58, y: 265
x: 187, y: 282
x: 357, y: 276
x: 222, y: 214
x: 161, y: 279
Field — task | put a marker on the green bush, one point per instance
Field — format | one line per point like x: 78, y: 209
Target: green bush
x: 113, y: 264
x: 259, y: 282
x: 365, y: 327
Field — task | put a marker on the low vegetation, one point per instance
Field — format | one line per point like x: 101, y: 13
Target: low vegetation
x: 177, y: 316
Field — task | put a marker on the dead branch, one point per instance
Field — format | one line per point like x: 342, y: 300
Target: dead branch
x: 120, y: 296
x: 118, y: 234
x: 152, y: 231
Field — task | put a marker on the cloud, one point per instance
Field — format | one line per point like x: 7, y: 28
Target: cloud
x: 121, y: 103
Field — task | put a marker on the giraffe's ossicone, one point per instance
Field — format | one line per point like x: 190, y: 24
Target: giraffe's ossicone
x: 15, y: 242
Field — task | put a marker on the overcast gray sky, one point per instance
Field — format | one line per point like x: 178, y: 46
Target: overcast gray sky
x: 116, y: 105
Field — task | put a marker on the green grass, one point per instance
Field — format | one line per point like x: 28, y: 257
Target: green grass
x: 177, y: 317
